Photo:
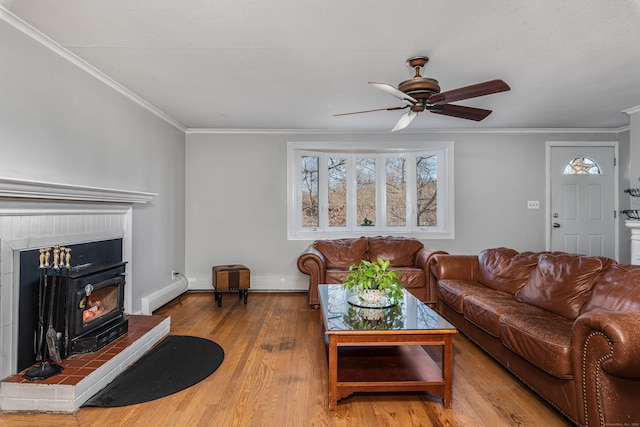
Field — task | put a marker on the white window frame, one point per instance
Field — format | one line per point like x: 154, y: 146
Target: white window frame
x: 445, y: 228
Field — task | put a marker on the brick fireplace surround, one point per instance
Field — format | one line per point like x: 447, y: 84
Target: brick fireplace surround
x: 35, y: 214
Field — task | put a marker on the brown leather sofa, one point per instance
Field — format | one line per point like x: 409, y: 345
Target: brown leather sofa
x: 567, y: 326
x: 328, y: 261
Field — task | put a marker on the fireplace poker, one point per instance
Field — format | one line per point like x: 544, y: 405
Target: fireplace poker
x: 40, y: 333
x: 52, y: 336
x: 45, y: 268
x: 65, y: 344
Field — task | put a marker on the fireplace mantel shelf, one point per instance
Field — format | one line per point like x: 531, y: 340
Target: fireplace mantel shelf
x: 12, y: 188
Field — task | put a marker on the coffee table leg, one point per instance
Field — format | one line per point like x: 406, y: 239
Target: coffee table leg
x: 333, y: 372
x: 447, y: 371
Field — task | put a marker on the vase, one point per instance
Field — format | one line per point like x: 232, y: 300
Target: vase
x: 372, y: 314
x: 372, y: 297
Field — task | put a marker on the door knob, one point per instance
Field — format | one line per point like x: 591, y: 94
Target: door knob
x: 556, y: 225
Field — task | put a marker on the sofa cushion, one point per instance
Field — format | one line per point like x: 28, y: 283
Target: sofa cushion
x: 412, y: 277
x: 505, y: 269
x: 561, y: 283
x: 618, y: 289
x: 400, y: 251
x: 544, y: 341
x: 452, y: 292
x: 342, y: 253
x: 486, y: 310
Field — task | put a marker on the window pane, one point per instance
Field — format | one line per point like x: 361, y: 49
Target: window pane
x: 582, y: 166
x: 366, y: 192
x: 427, y: 183
x: 396, y: 192
x: 337, y: 192
x: 309, y: 191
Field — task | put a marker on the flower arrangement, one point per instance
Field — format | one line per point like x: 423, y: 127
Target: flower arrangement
x: 376, y: 275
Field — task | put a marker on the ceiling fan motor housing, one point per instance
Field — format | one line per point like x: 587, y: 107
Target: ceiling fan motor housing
x: 420, y: 88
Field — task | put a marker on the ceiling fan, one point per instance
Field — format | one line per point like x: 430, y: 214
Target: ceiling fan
x: 423, y: 93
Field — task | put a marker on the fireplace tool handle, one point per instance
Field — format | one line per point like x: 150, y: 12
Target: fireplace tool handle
x: 41, y: 290
x: 52, y: 336
x: 65, y: 344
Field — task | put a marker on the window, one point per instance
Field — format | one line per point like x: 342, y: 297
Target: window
x: 582, y: 166
x: 343, y: 190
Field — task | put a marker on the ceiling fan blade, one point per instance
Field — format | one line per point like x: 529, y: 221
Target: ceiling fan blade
x: 405, y: 120
x: 459, y: 111
x: 370, y: 111
x: 473, y: 91
x: 394, y: 92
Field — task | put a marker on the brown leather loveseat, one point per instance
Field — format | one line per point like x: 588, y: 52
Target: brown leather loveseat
x: 566, y: 325
x: 328, y: 261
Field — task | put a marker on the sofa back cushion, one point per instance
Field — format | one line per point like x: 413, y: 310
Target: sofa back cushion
x: 561, y: 283
x: 618, y: 289
x: 505, y: 269
x: 342, y: 253
x: 400, y: 251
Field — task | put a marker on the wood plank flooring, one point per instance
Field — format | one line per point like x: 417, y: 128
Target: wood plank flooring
x: 275, y: 374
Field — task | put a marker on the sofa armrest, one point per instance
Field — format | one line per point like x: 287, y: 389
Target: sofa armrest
x: 606, y: 356
x: 621, y: 331
x: 313, y: 263
x: 454, y: 267
x: 423, y: 261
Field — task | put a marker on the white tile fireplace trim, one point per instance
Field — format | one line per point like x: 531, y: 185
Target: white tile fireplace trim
x: 34, y: 214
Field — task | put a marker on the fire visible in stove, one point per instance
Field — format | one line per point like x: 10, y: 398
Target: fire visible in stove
x: 99, y: 303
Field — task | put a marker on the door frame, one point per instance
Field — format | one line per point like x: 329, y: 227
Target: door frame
x: 616, y: 221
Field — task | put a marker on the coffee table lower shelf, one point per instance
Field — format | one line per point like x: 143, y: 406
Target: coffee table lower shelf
x: 389, y: 368
x: 380, y: 369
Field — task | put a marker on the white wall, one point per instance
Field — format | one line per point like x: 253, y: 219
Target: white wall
x: 60, y: 124
x: 236, y: 197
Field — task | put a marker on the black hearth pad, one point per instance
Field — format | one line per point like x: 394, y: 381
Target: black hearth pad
x: 175, y: 364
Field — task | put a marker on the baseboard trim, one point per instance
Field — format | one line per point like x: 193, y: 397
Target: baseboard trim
x: 258, y: 283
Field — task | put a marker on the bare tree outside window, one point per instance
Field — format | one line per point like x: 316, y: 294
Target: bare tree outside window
x: 366, y: 192
x: 427, y: 185
x: 309, y: 191
x: 337, y: 191
x: 396, y: 191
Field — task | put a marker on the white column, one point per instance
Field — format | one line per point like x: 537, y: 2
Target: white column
x: 634, y: 225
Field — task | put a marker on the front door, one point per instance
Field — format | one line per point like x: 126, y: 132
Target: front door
x: 583, y: 199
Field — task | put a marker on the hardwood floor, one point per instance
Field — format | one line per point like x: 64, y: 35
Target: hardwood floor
x: 275, y: 374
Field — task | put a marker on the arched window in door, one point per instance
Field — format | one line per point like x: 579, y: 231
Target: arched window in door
x: 582, y: 166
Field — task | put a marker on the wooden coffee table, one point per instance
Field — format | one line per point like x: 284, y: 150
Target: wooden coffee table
x: 381, y: 350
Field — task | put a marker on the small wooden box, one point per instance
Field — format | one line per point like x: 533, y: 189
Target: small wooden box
x: 232, y: 277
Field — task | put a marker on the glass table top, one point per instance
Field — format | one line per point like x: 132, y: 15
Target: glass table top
x: 408, y: 314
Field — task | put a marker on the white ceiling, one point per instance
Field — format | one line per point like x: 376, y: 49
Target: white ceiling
x: 292, y: 64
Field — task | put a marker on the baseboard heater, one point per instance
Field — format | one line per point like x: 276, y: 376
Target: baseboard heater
x: 159, y: 298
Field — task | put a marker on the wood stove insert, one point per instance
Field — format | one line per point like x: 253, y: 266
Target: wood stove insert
x: 88, y: 307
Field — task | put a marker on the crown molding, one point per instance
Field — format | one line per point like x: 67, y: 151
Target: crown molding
x: 632, y: 110
x: 23, y: 189
x: 58, y: 49
x: 194, y: 131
